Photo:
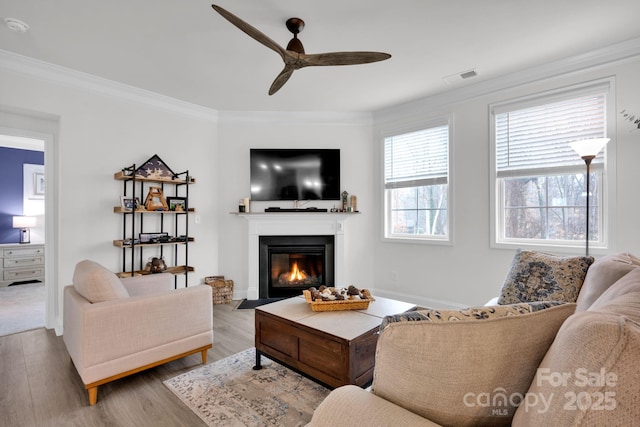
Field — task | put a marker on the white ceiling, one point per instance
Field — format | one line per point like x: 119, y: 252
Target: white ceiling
x: 185, y: 50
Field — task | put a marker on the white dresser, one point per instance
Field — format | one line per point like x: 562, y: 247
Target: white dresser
x: 20, y: 263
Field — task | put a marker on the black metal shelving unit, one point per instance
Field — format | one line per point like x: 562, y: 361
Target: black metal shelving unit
x: 133, y: 223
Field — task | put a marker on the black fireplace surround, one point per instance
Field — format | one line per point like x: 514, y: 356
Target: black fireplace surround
x: 290, y: 264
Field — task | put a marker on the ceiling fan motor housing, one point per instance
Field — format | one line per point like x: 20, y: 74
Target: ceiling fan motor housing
x: 295, y: 25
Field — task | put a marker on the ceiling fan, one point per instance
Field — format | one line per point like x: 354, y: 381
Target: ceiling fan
x: 294, y: 56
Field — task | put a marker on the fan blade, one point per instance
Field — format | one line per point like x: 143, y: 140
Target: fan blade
x: 282, y: 78
x: 249, y: 30
x: 343, y: 58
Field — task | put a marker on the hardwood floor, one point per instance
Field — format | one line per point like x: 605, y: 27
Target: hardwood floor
x: 40, y: 386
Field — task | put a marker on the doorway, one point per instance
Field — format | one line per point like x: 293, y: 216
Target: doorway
x: 21, y: 123
x: 23, y: 289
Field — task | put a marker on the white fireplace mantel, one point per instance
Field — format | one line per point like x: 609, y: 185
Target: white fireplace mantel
x: 294, y: 224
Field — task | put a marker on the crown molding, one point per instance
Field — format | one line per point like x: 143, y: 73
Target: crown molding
x: 617, y: 53
x: 42, y: 70
x: 298, y: 117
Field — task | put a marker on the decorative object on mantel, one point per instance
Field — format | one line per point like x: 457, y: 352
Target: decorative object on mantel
x: 244, y: 205
x: 354, y: 203
x: 345, y: 201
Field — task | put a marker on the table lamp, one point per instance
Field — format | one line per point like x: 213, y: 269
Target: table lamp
x: 24, y: 223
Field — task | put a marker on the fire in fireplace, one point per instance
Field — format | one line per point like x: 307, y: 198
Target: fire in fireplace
x: 290, y: 264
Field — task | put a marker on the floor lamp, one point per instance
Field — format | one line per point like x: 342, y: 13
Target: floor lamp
x: 588, y: 149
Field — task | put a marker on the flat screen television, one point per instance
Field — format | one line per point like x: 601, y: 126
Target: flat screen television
x: 295, y: 174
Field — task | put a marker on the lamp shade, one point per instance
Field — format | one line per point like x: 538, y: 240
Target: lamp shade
x: 589, y: 147
x: 24, y: 221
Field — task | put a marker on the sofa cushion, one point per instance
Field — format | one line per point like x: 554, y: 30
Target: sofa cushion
x: 621, y: 297
x: 590, y: 375
x: 602, y: 274
x: 96, y: 283
x: 536, y: 276
x: 472, y: 313
x: 350, y: 405
x: 446, y: 370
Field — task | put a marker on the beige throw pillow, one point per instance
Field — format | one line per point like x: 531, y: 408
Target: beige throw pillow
x: 468, y: 371
x: 96, y: 283
x: 536, y: 276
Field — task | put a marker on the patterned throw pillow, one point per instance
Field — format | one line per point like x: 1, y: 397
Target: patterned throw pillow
x: 536, y: 276
x: 468, y: 314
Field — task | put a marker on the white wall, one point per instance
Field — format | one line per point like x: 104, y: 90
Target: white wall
x: 100, y: 131
x: 99, y: 134
x: 470, y: 272
x: 351, y: 133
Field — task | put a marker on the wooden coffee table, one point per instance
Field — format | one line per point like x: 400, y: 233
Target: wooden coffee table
x: 334, y: 347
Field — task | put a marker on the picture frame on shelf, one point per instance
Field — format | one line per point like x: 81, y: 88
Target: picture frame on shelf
x: 129, y: 204
x: 177, y: 204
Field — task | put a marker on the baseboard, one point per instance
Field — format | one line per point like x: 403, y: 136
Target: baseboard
x: 417, y: 300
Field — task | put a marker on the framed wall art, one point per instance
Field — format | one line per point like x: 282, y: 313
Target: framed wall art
x: 34, y: 183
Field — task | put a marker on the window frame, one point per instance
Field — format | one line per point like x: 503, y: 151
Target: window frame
x: 606, y: 213
x: 443, y: 120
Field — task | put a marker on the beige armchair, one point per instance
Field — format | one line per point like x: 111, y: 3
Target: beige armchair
x: 117, y: 327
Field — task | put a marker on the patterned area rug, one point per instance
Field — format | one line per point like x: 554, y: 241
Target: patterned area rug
x: 230, y: 393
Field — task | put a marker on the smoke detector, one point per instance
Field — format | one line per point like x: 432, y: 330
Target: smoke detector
x: 16, y: 25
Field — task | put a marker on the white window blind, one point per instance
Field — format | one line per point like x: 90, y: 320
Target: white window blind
x: 536, y: 140
x: 417, y: 158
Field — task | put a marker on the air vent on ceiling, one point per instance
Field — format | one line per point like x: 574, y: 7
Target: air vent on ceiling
x: 463, y: 75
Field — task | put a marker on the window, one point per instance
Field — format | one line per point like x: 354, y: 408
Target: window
x: 416, y: 184
x: 540, y: 194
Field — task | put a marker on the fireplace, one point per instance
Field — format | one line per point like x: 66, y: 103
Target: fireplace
x: 290, y: 264
x: 326, y: 224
